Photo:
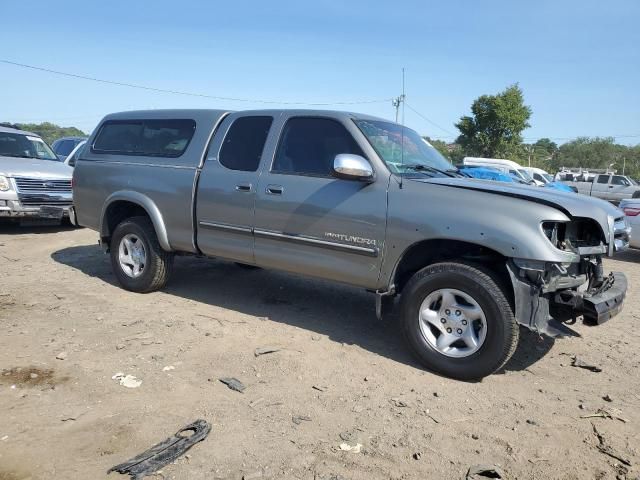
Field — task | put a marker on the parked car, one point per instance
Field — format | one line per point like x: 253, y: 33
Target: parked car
x: 546, y: 180
x: 34, y: 182
x: 611, y: 187
x: 506, y: 166
x: 65, y: 145
x: 490, y: 173
x: 631, y: 208
x: 486, y: 173
x: 73, y: 156
x: 354, y: 199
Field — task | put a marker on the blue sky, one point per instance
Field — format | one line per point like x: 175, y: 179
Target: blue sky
x: 577, y: 61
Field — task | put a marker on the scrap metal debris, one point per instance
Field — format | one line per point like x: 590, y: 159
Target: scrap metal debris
x: 165, y: 452
x: 606, y: 449
x: 602, y: 413
x: 233, y: 384
x: 298, y: 419
x: 478, y: 472
x: 128, y: 381
x: 345, y: 447
x: 576, y: 362
x: 264, y: 350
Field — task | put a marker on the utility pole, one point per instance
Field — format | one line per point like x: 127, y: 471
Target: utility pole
x: 396, y: 102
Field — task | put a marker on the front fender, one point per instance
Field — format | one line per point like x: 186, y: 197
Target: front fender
x: 147, y: 204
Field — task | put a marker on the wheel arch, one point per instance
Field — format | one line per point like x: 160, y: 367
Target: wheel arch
x: 125, y: 204
x: 427, y: 252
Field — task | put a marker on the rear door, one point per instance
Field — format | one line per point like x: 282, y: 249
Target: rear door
x: 308, y: 221
x: 601, y: 187
x: 227, y: 187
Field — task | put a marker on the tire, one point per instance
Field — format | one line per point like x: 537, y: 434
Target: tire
x: 466, y: 284
x: 636, y: 194
x: 157, y: 265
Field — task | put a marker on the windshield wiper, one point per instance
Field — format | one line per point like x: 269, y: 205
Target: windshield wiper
x: 418, y: 167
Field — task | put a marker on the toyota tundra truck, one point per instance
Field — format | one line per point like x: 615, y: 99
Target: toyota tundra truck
x: 354, y: 199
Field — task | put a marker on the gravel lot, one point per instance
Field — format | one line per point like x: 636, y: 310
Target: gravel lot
x: 348, y: 375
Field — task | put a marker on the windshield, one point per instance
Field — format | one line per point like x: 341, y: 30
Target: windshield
x: 25, y: 146
x: 547, y: 177
x: 525, y: 175
x: 387, y: 140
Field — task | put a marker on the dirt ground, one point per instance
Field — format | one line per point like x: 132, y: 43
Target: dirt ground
x: 347, y: 375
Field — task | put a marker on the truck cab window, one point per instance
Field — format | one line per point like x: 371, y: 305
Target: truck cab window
x: 619, y: 180
x: 243, y: 145
x: 603, y: 179
x: 309, y: 145
x: 154, y: 138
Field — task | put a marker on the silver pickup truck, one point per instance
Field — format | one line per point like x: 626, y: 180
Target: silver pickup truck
x: 358, y: 200
x: 606, y: 186
x: 34, y: 183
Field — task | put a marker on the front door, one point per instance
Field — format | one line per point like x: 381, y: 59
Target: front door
x: 619, y: 188
x: 227, y: 187
x: 308, y: 221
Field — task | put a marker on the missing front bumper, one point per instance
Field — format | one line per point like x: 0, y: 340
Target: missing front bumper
x: 600, y: 308
x: 547, y: 312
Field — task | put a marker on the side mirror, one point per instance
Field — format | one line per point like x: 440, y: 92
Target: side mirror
x: 352, y: 167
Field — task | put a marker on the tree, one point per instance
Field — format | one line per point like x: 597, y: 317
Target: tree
x: 597, y: 152
x: 546, y: 145
x: 494, y: 130
x: 452, y: 151
x: 48, y: 131
x: 439, y: 145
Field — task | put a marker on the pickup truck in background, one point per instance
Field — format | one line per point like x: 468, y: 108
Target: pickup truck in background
x: 358, y: 200
x: 34, y: 184
x: 606, y: 186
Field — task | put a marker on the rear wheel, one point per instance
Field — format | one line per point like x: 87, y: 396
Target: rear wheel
x: 138, y: 261
x: 458, y: 321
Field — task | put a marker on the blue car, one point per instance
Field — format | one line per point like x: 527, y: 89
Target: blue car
x: 563, y: 187
x: 487, y: 173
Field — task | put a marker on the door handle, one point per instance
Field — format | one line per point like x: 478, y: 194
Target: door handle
x: 274, y: 189
x: 610, y: 186
x: 243, y: 187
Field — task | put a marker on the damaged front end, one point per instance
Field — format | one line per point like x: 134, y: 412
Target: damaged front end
x: 551, y: 295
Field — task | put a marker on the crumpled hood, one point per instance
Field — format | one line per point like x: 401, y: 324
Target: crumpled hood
x: 34, y: 168
x: 572, y: 204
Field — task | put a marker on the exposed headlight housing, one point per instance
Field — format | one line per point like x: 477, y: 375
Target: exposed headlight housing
x: 5, y: 185
x: 581, y: 235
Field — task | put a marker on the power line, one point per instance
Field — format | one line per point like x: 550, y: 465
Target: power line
x: 190, y: 94
x: 429, y: 120
x: 583, y: 136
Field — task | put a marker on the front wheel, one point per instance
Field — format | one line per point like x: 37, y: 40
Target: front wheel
x: 458, y: 321
x: 138, y: 261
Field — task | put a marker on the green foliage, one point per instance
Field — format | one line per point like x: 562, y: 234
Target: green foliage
x: 494, y: 130
x: 546, y: 145
x: 48, y: 131
x: 451, y: 151
x: 598, y: 152
x: 439, y: 145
